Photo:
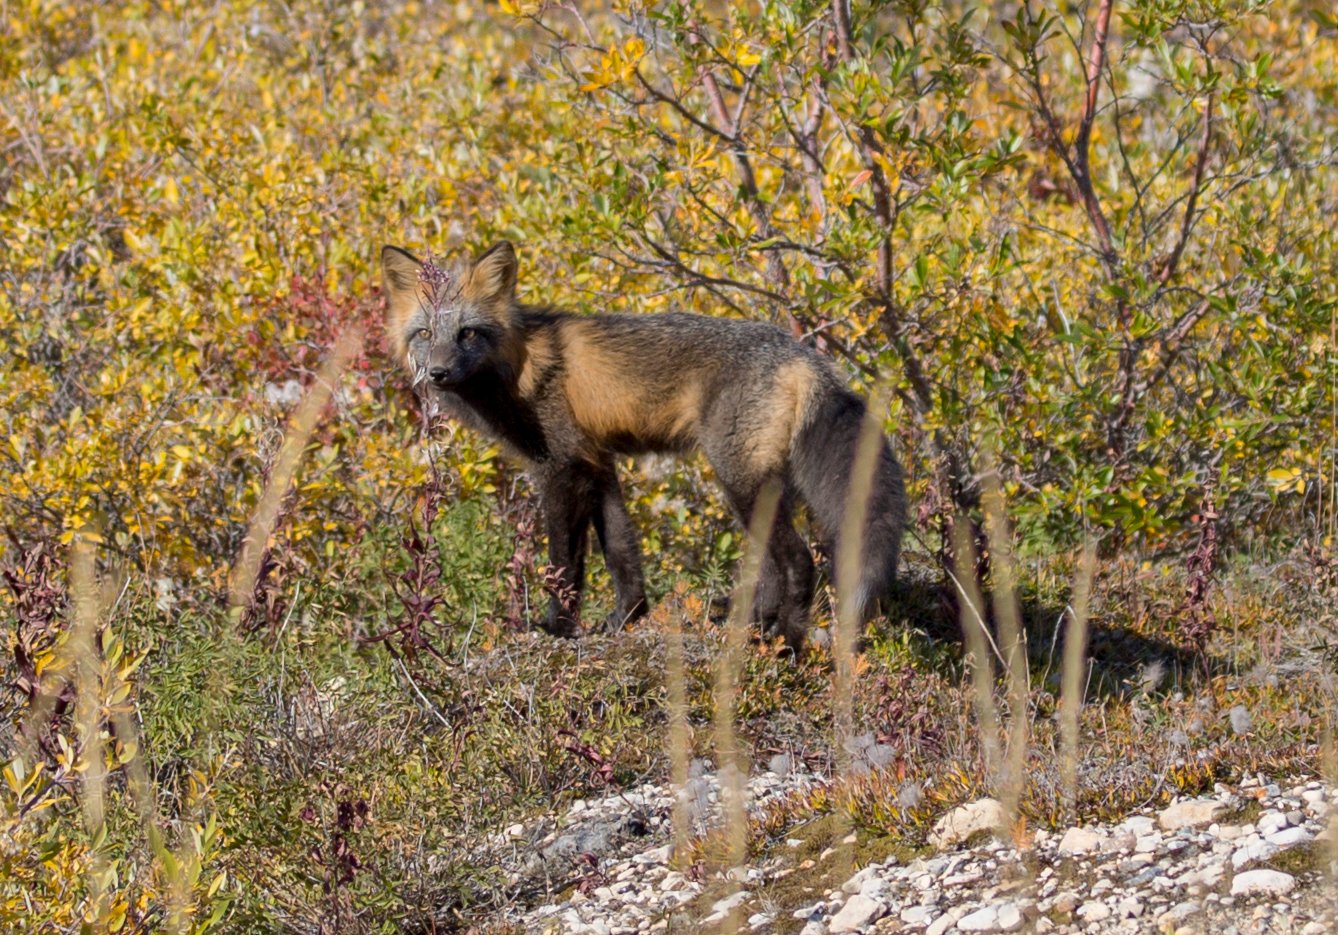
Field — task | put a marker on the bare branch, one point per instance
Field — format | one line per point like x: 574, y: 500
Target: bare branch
x: 1201, y: 158
x: 873, y: 157
x: 677, y: 106
x: 1082, y: 145
x: 731, y: 127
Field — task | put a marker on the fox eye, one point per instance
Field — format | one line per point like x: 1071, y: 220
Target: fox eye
x: 466, y: 334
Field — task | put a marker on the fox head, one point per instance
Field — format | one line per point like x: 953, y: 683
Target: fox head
x: 448, y: 326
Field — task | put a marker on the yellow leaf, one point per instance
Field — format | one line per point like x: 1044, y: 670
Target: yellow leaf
x: 1285, y: 479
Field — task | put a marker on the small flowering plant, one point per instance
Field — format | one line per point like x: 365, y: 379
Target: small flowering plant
x: 440, y: 286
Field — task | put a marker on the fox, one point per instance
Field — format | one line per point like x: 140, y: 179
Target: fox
x: 569, y: 394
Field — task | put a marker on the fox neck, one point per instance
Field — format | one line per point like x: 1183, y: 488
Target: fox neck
x: 496, y: 404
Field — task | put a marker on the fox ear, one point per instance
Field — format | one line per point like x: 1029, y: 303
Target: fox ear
x: 493, y: 276
x: 399, y: 272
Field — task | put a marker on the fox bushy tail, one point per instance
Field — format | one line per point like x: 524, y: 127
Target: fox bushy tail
x: 822, y: 462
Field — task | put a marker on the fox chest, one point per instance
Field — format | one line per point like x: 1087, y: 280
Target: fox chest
x: 517, y: 424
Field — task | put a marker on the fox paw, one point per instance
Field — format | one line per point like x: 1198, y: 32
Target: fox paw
x: 615, y: 621
x: 562, y: 627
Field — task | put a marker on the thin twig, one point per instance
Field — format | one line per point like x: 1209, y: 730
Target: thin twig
x: 1187, y: 223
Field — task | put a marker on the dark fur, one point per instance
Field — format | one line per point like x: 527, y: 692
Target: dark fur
x: 567, y: 394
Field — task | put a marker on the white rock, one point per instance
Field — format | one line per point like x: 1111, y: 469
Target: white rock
x: 943, y: 923
x: 965, y: 820
x: 984, y: 919
x: 1129, y: 908
x: 1271, y: 821
x: 1010, y: 917
x: 1139, y: 825
x: 1206, y: 877
x: 856, y: 883
x: 1191, y: 813
x: 917, y: 915
x: 1252, y: 852
x: 1119, y: 843
x: 656, y: 855
x: 875, y: 888
x: 1147, y: 843
x: 673, y: 880
x: 1002, y: 917
x: 1179, y: 913
x: 810, y: 912
x: 1079, y: 841
x: 858, y: 912
x: 1262, y: 883
x: 731, y: 901
x: 1094, y: 911
x: 1289, y: 837
x: 1067, y: 902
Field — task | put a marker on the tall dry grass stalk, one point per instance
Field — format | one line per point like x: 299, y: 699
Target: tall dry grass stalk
x: 975, y: 631
x: 94, y: 681
x: 849, y: 560
x: 1012, y: 639
x: 1332, y: 526
x: 84, y: 668
x: 1073, y: 679
x: 733, y: 767
x: 680, y: 737
x: 846, y: 633
x: 1328, y: 774
x: 300, y: 427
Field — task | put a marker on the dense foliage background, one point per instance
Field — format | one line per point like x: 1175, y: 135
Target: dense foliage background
x: 1088, y: 249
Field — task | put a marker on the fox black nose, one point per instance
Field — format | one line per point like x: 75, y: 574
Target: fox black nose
x: 439, y: 375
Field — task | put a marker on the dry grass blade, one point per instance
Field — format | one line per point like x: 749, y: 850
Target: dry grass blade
x: 1074, y: 676
x: 1012, y: 639
x: 1333, y: 447
x: 849, y: 561
x: 977, y: 646
x: 733, y: 767
x: 94, y: 680
x: 1328, y: 771
x: 846, y: 633
x: 303, y: 423
x: 85, y: 668
x: 679, y: 740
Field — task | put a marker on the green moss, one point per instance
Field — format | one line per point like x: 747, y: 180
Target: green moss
x: 1246, y: 814
x: 1304, y: 859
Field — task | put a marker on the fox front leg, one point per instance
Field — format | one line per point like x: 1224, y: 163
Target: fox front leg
x: 621, y: 543
x: 568, y: 499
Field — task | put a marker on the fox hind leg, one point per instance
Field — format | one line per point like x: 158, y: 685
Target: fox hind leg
x: 793, y: 567
x: 784, y: 593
